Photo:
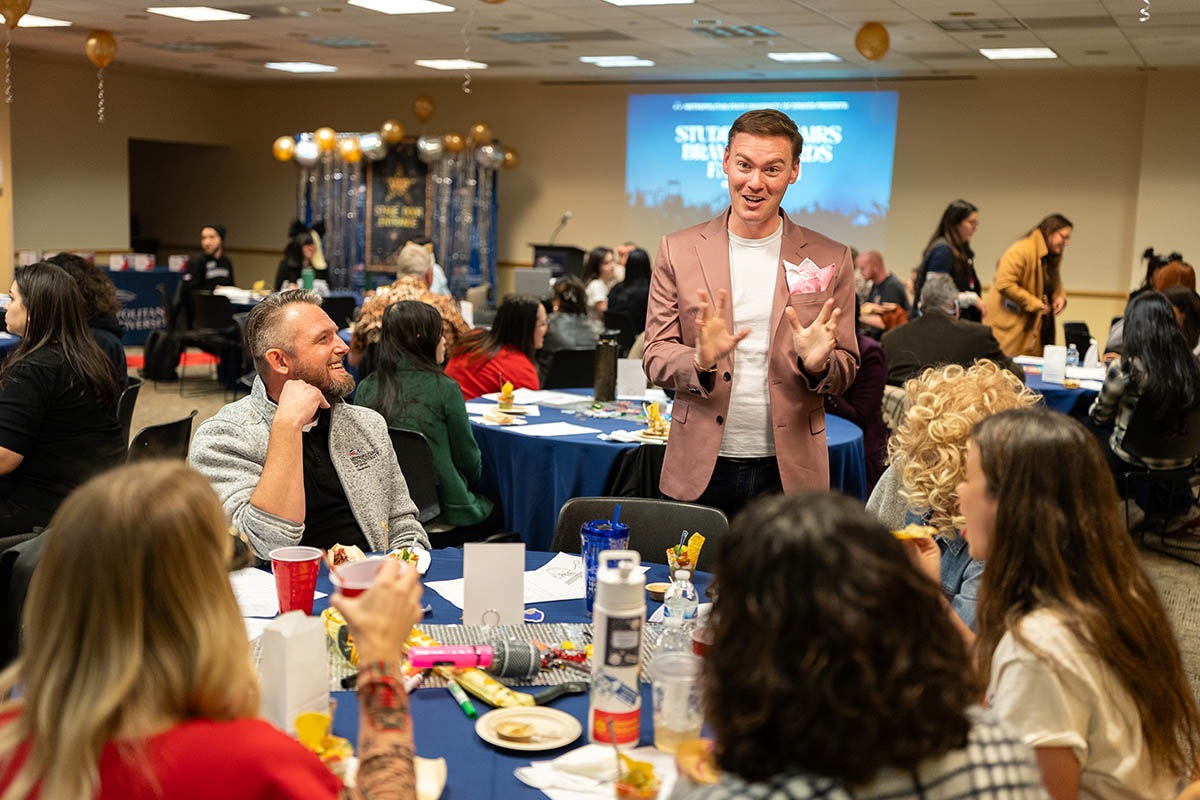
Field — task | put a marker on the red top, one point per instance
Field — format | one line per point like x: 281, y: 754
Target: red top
x: 245, y: 759
x: 480, y: 377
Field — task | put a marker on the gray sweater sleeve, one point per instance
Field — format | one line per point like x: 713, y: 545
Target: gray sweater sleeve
x: 885, y: 501
x: 229, y: 456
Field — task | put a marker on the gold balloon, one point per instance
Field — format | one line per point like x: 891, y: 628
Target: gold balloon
x: 100, y: 48
x: 511, y: 158
x: 325, y: 138
x: 453, y: 142
x: 284, y: 148
x: 423, y: 107
x: 872, y: 41
x: 13, y: 10
x: 351, y: 152
x: 391, y: 131
x: 480, y: 133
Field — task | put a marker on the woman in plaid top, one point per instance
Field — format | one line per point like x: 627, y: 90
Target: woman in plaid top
x: 835, y: 671
x: 1157, y: 375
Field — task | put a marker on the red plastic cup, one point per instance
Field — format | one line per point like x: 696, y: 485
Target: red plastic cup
x: 702, y: 639
x: 295, y: 570
x: 356, y: 577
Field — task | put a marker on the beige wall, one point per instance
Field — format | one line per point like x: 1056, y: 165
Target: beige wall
x: 1168, y: 214
x: 1018, y: 145
x: 6, y: 202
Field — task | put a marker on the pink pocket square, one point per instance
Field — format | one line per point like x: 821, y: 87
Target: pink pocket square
x: 807, y: 278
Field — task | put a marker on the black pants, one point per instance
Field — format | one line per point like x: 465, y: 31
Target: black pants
x: 735, y: 482
x: 456, y: 537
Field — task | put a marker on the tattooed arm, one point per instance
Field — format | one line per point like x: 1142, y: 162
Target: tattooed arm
x: 380, y: 620
x: 385, y: 735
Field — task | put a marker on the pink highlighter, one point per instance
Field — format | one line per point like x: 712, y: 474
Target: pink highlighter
x: 457, y: 656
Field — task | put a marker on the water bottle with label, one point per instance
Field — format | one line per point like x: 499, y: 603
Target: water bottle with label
x: 1072, y: 355
x: 618, y: 617
x: 679, y: 616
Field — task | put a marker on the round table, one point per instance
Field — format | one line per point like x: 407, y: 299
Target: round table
x: 1055, y: 395
x: 475, y: 768
x: 534, y: 476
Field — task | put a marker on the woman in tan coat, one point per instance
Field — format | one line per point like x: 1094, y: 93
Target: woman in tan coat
x: 1028, y: 292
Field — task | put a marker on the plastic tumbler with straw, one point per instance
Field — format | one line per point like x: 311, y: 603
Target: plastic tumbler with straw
x: 596, y: 537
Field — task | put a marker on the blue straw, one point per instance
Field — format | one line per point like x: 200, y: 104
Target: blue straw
x: 616, y: 516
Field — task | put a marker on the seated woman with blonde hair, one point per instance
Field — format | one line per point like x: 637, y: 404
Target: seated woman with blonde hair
x: 135, y: 679
x: 927, y: 455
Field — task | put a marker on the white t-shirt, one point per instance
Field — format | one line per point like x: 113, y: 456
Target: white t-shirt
x: 1079, y: 703
x: 753, y: 271
x: 597, y: 290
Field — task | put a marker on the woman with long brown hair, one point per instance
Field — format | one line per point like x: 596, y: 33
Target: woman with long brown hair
x: 834, y: 672
x: 1075, y: 645
x: 135, y: 680
x: 1028, y: 293
x: 949, y: 250
x: 58, y: 400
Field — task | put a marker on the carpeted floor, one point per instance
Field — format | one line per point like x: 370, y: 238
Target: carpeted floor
x: 1177, y: 582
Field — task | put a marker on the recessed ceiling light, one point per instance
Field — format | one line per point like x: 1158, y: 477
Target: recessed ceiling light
x: 34, y: 21
x: 449, y: 63
x: 617, y: 61
x: 198, y: 13
x: 1015, y: 53
x: 402, y: 6
x: 650, y: 2
x: 299, y: 66
x: 803, y: 58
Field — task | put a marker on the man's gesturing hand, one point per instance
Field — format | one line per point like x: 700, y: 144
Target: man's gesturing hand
x: 713, y: 340
x: 299, y: 402
x: 815, y: 343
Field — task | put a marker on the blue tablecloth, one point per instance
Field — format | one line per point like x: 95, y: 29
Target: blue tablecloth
x: 1055, y: 395
x: 141, y: 307
x: 475, y: 768
x: 534, y: 476
x: 7, y: 343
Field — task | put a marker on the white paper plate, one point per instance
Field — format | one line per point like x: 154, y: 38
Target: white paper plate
x: 552, y: 728
x: 644, y: 436
x: 514, y: 409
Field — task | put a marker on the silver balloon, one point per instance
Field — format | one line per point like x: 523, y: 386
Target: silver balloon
x: 489, y: 156
x: 373, y: 146
x: 307, y: 153
x: 429, y: 148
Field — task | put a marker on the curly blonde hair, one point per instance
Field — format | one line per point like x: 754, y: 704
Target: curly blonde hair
x: 929, y: 448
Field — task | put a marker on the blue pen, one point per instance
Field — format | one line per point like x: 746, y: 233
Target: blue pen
x: 461, y: 698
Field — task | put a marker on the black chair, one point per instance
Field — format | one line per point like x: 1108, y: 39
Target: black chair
x: 571, y: 369
x: 340, y: 309
x: 126, y: 403
x: 17, y: 563
x: 654, y: 525
x: 415, y: 457
x: 216, y: 332
x: 1168, y: 491
x: 622, y: 322
x: 1077, y: 333
x: 167, y: 440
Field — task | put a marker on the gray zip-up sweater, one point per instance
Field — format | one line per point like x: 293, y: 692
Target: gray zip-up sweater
x: 230, y: 450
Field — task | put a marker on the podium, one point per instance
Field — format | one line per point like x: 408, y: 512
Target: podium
x: 559, y: 259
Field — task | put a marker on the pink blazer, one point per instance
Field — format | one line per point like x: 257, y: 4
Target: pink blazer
x: 698, y: 258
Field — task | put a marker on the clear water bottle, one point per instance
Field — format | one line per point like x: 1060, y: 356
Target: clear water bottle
x: 1072, y: 355
x: 681, y: 600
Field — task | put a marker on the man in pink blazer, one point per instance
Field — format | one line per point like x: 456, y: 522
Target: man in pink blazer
x: 748, y: 416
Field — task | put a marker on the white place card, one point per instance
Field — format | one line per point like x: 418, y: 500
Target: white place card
x: 1054, y: 363
x: 493, y: 583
